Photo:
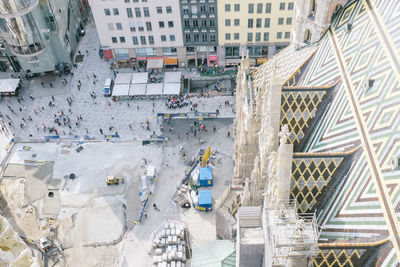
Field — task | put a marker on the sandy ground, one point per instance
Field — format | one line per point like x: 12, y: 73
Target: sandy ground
x: 95, y: 220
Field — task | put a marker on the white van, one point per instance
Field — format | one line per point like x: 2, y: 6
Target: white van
x: 108, y: 85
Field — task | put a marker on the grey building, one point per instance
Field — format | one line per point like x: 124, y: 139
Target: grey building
x: 40, y: 35
x: 200, y: 32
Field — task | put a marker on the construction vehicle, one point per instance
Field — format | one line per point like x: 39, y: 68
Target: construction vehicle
x: 113, y: 180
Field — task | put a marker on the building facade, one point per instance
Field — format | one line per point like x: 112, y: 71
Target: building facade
x: 40, y: 35
x: 132, y: 33
x: 260, y: 27
x: 313, y: 18
x: 199, y: 29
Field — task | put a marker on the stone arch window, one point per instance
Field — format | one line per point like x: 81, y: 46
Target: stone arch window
x: 313, y: 9
x: 307, y: 36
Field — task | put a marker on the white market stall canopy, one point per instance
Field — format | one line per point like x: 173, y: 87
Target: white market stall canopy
x: 9, y: 85
x: 173, y: 77
x: 140, y: 77
x: 154, y: 89
x: 155, y: 63
x: 120, y: 90
x: 137, y: 89
x: 123, y: 78
x: 172, y: 88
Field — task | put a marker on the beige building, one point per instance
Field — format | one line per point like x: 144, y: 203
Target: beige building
x: 260, y: 27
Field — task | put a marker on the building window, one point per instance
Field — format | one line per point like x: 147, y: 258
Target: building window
x: 146, y: 12
x: 135, y: 40
x: 250, y: 37
x: 187, y: 37
x: 258, y: 23
x: 288, y: 21
x: 161, y: 24
x: 227, y: 36
x: 107, y: 12
x: 212, y: 23
x: 196, y: 38
x: 237, y: 7
x: 159, y: 10
x: 204, y: 23
x: 203, y: 9
x: 236, y: 36
x: 148, y: 26
x: 227, y: 22
x: 251, y: 8
x: 140, y: 26
x: 232, y: 51
x: 163, y: 38
x: 168, y: 9
x: 195, y: 23
x: 137, y: 12
x: 279, y: 35
x: 169, y: 51
x: 258, y: 36
x: 204, y: 38
x: 212, y: 10
x: 121, y: 53
x: 267, y: 23
x: 287, y: 35
x: 170, y: 24
x: 132, y: 26
x: 129, y: 12
x: 143, y: 40
x: 290, y: 6
x: 227, y: 7
x: 307, y: 36
x: 280, y: 21
x: 313, y: 8
x: 126, y: 1
x: 118, y: 26
x: 259, y: 8
x: 236, y: 22
x: 115, y: 11
x: 114, y: 39
x: 122, y: 39
x: 250, y: 23
x: 172, y: 37
x: 266, y: 36
x: 110, y: 26
x: 212, y: 38
x: 186, y: 23
x: 282, y: 6
x: 151, y: 39
x: 186, y: 10
x: 268, y: 8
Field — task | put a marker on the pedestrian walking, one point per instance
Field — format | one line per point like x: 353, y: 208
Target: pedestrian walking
x: 31, y: 96
x: 42, y: 84
x: 195, y: 132
x: 101, y: 131
x: 79, y: 85
x: 87, y: 130
x: 214, y: 129
x: 155, y: 207
x: 51, y: 85
x: 130, y: 126
x: 137, y: 107
x: 228, y: 134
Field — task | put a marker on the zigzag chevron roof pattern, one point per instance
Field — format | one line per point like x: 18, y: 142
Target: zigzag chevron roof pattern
x: 365, y: 110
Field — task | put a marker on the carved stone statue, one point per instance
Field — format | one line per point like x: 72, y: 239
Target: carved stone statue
x: 284, y: 134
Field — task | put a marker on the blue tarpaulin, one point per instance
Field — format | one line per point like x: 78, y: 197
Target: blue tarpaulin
x: 205, y: 176
x: 205, y: 198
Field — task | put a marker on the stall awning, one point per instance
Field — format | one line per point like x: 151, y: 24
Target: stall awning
x: 170, y: 61
x: 261, y: 60
x: 123, y: 78
x: 120, y: 90
x: 108, y: 54
x: 154, y: 89
x: 137, y: 89
x: 140, y: 77
x: 9, y: 85
x: 172, y: 88
x: 155, y: 63
x: 232, y: 61
x: 173, y: 77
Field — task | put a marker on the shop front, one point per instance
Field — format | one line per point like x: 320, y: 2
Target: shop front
x: 212, y: 61
x: 141, y: 62
x: 171, y: 62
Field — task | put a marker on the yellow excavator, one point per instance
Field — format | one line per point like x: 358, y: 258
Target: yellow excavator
x: 114, y: 180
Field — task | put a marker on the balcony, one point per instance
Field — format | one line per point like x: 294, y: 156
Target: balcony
x: 212, y: 29
x: 193, y: 1
x: 203, y: 29
x: 195, y: 29
x: 202, y: 1
x: 212, y: 15
x: 194, y: 16
x: 187, y: 29
x: 203, y: 15
x: 184, y: 1
x: 185, y: 16
x: 27, y: 51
